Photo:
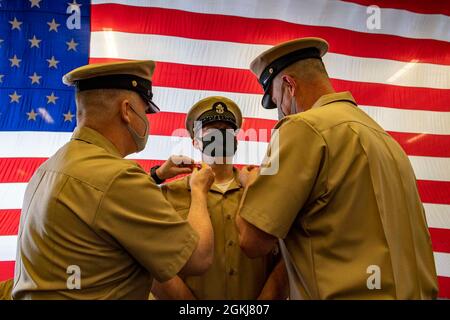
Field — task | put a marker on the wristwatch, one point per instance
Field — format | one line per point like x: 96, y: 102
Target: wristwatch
x: 155, y: 177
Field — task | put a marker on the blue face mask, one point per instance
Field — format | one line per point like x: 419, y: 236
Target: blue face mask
x: 140, y: 141
x: 219, y: 143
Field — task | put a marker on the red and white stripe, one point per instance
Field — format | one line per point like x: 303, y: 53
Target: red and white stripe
x: 399, y: 75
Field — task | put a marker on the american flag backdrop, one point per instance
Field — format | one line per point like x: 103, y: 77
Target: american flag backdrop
x: 398, y: 71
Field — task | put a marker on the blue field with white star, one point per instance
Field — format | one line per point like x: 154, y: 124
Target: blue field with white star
x: 39, y: 43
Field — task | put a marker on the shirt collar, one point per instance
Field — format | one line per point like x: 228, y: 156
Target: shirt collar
x: 334, y: 97
x: 94, y: 137
x: 235, y: 184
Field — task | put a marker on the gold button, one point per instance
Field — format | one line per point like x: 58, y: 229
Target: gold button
x: 134, y: 83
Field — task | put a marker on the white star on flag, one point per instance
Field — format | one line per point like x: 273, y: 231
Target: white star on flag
x: 34, y: 42
x: 74, y: 5
x: 35, y: 78
x: 14, y: 97
x: 32, y: 115
x: 53, y: 25
x: 15, y: 62
x: 68, y: 116
x: 35, y: 3
x: 52, y: 98
x: 52, y: 62
x: 72, y: 45
x: 15, y: 24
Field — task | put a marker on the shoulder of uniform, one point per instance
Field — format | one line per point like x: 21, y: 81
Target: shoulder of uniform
x: 293, y: 122
x: 177, y: 193
x: 90, y: 164
x: 127, y: 179
x: 177, y: 184
x: 127, y: 166
x: 319, y: 119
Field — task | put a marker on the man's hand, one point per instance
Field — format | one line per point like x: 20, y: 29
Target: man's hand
x: 277, y: 285
x: 202, y: 179
x: 174, y: 166
x: 248, y: 175
x: 174, y: 289
x: 203, y: 255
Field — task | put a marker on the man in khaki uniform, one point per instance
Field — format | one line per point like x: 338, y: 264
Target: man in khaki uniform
x: 96, y: 226
x: 232, y: 275
x: 344, y: 200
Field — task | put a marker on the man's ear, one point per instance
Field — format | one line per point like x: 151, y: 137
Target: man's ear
x: 291, y: 84
x: 125, y: 111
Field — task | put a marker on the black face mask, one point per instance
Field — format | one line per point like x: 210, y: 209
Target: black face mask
x: 219, y: 143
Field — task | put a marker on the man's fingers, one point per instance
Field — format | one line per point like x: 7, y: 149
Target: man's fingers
x: 204, y: 165
x: 197, y: 166
x: 182, y: 161
x: 186, y: 160
x: 189, y: 166
x: 184, y: 170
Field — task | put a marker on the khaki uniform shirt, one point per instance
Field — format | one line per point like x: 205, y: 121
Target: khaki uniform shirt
x: 89, y: 213
x: 5, y: 289
x: 345, y: 202
x: 232, y: 275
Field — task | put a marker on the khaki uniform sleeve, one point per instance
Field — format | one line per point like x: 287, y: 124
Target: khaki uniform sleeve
x: 136, y: 214
x: 5, y: 289
x: 273, y: 202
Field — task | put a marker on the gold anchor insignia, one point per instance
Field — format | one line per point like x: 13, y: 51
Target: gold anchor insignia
x: 219, y: 108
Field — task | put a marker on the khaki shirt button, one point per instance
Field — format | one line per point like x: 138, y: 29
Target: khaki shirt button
x: 230, y: 243
x: 232, y: 271
x: 229, y: 216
